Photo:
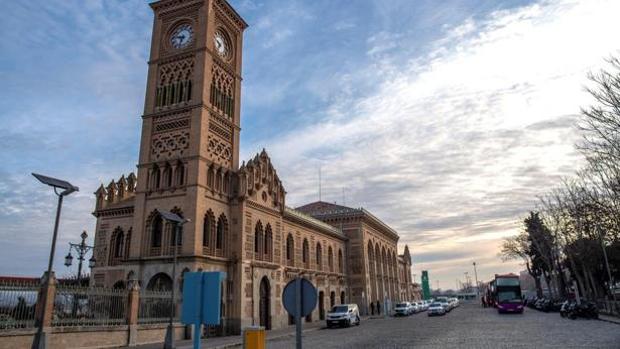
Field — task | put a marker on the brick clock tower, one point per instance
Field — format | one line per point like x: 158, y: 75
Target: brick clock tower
x: 190, y: 139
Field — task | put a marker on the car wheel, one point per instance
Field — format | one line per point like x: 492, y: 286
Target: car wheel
x: 358, y: 321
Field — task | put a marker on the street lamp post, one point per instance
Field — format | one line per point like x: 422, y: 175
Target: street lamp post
x: 477, y: 285
x: 178, y: 222
x: 81, y: 249
x: 40, y: 340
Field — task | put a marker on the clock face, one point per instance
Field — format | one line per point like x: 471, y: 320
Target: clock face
x: 182, y: 36
x: 221, y: 45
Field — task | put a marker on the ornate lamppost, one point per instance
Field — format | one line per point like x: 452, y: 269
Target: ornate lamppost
x: 81, y: 249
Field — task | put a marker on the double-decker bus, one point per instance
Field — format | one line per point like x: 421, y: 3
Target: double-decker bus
x: 506, y: 293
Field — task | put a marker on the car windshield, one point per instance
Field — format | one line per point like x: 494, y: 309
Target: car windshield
x: 435, y: 304
x: 401, y: 305
x: 340, y: 309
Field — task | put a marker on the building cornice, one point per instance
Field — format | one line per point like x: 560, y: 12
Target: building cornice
x: 303, y: 219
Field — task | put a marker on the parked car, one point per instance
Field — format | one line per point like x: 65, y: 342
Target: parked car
x: 444, y: 302
x: 436, y: 308
x: 403, y: 309
x: 454, y: 302
x: 343, y: 315
x: 416, y: 307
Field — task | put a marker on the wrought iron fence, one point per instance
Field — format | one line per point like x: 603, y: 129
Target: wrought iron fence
x: 89, y: 306
x: 155, y: 307
x: 17, y: 305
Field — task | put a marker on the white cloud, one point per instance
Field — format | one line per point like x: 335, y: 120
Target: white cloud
x: 446, y: 135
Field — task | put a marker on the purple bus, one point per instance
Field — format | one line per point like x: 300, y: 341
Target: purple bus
x: 507, y: 294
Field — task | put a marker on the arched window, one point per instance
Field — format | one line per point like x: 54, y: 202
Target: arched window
x: 319, y: 255
x: 305, y: 255
x: 180, y: 174
x: 330, y: 258
x: 127, y: 243
x: 118, y: 244
x: 210, y: 177
x: 258, y: 240
x: 268, y: 243
x: 155, y: 176
x: 340, y: 261
x: 156, y: 231
x: 207, y: 229
x: 168, y: 176
x: 290, y: 248
x: 220, y: 234
x: 160, y: 282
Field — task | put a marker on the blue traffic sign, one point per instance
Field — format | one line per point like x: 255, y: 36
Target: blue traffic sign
x: 308, y: 296
x: 202, y: 295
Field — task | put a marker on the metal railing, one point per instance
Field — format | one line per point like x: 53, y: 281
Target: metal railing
x: 155, y: 307
x: 89, y: 306
x: 17, y: 305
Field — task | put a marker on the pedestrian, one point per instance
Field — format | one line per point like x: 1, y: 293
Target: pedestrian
x: 378, y: 308
x: 372, y: 308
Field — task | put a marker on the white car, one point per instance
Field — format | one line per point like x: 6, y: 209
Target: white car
x: 403, y: 309
x: 343, y: 315
x: 436, y: 308
x: 416, y: 307
x: 445, y: 302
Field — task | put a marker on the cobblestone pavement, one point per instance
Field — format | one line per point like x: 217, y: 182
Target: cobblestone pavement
x: 468, y: 326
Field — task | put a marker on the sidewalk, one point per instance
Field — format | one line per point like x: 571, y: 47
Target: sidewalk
x: 236, y: 341
x: 608, y: 318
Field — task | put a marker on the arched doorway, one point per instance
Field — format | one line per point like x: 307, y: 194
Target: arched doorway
x: 160, y: 282
x: 342, y: 298
x: 332, y: 299
x: 321, y: 305
x: 264, y: 303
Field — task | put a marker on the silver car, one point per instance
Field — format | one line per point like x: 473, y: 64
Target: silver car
x: 343, y: 315
x: 436, y: 308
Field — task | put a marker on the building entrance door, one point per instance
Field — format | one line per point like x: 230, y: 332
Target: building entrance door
x: 264, y: 304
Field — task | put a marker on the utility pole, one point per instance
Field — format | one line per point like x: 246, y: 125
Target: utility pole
x: 477, y: 285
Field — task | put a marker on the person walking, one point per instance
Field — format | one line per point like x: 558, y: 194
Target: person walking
x: 372, y: 308
x: 378, y: 308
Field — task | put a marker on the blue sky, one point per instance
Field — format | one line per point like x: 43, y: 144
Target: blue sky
x: 445, y: 119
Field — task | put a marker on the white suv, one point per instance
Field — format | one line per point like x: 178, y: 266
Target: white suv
x: 343, y: 315
x: 403, y: 309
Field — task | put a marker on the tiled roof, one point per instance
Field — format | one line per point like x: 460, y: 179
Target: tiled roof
x: 306, y: 219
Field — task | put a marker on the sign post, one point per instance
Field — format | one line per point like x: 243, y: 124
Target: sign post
x: 202, y: 295
x: 299, y: 299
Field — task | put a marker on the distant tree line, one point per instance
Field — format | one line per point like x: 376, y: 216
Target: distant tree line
x: 577, y: 223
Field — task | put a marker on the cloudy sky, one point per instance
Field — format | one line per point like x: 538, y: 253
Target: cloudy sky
x: 445, y: 119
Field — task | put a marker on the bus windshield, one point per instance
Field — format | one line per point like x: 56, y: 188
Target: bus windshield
x: 508, y: 296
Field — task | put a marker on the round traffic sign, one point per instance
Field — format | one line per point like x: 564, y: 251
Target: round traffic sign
x: 308, y: 297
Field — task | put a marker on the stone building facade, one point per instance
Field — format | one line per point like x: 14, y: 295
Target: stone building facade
x: 239, y: 222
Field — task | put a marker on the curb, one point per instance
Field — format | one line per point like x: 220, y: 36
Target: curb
x: 284, y: 335
x: 617, y: 322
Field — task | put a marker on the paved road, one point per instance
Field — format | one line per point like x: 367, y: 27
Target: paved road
x: 468, y: 326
